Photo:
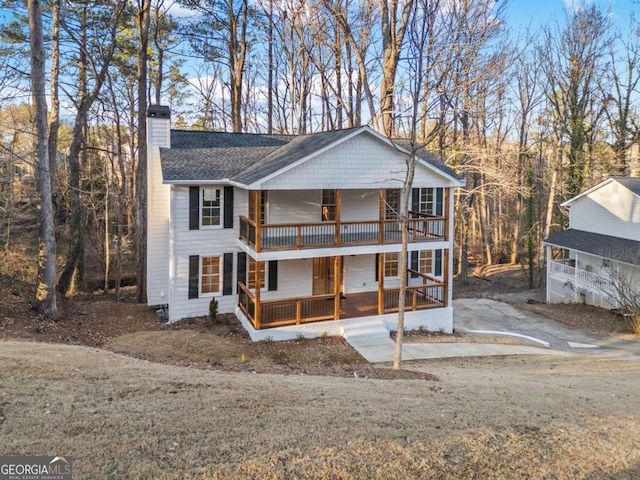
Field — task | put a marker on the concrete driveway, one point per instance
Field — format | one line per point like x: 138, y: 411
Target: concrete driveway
x: 485, y: 315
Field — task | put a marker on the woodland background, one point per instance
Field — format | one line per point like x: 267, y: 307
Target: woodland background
x: 528, y: 119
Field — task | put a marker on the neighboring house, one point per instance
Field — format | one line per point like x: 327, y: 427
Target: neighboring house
x: 289, y: 231
x: 601, y: 244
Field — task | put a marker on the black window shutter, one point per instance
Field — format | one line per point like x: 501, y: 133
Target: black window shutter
x: 438, y: 269
x: 227, y: 274
x: 414, y: 264
x: 377, y: 266
x: 415, y: 199
x: 228, y: 207
x: 439, y: 201
x: 242, y: 269
x: 194, y: 274
x: 194, y: 208
x: 273, y: 275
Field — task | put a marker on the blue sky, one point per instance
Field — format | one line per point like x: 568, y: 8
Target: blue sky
x: 539, y: 12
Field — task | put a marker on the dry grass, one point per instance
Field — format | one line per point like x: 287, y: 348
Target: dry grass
x: 488, y: 418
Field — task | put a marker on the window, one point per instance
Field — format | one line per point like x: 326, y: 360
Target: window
x: 425, y: 262
x: 606, y: 263
x: 328, y: 205
x: 427, y: 201
x: 211, y: 207
x: 252, y: 273
x: 210, y: 277
x: 391, y: 264
x: 392, y: 204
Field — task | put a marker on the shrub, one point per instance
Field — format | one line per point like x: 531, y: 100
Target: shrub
x: 213, y: 309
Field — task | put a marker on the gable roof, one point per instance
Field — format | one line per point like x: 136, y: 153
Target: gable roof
x: 297, y: 149
x: 245, y: 158
x: 631, y: 183
x: 606, y: 246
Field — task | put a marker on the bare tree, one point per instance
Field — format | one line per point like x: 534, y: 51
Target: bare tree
x: 572, y: 60
x: 45, y: 291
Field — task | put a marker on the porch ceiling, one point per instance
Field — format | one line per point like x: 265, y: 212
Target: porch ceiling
x: 606, y: 246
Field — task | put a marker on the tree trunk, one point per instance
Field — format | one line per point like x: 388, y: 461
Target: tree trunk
x: 45, y: 301
x: 141, y: 173
x: 54, y: 119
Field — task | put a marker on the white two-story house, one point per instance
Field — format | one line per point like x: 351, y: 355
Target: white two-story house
x: 601, y: 245
x: 290, y: 231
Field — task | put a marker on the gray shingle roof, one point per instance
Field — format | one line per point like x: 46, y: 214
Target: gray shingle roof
x: 198, y: 155
x: 247, y: 158
x: 632, y: 183
x: 620, y: 249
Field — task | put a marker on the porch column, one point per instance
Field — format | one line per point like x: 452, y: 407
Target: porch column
x: 447, y: 216
x: 337, y: 224
x: 258, y: 219
x: 447, y: 284
x: 380, y: 283
x: 382, y: 210
x: 257, y: 308
x: 337, y: 281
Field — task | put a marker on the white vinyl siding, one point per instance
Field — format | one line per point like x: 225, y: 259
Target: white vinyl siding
x: 610, y: 210
x: 158, y: 206
x: 205, y: 242
x: 361, y: 162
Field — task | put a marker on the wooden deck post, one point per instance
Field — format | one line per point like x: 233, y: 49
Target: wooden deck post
x: 380, y: 283
x: 337, y: 224
x: 257, y: 307
x: 445, y: 270
x: 257, y: 202
x: 382, y: 210
x: 447, y: 203
x: 337, y: 281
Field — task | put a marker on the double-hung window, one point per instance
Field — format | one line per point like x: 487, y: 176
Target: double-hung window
x: 391, y: 261
x: 210, y: 278
x: 211, y: 206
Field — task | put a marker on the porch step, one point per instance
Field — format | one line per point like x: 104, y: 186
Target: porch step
x: 370, y: 332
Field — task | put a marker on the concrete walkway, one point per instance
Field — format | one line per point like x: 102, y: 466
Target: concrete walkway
x: 496, y: 318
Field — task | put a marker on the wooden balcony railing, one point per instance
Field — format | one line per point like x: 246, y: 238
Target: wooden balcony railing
x: 335, y: 234
x: 288, y: 311
x: 431, y: 293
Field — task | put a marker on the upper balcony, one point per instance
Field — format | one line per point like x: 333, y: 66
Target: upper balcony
x: 340, y: 219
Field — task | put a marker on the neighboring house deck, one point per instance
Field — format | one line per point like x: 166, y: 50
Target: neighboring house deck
x: 294, y: 230
x: 601, y: 246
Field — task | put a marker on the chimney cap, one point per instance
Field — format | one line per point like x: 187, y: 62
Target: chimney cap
x: 158, y: 111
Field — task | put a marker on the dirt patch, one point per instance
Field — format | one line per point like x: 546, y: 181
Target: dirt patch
x: 137, y: 331
x: 498, y: 418
x: 494, y: 279
x: 224, y: 345
x: 584, y: 317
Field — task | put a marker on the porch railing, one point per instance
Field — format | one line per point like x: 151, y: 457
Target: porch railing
x: 334, y: 234
x: 288, y: 311
x: 430, y: 293
x: 582, y: 278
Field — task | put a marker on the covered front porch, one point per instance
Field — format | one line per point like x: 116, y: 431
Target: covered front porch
x: 334, y: 298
